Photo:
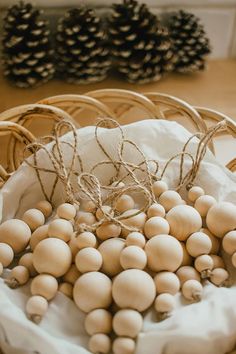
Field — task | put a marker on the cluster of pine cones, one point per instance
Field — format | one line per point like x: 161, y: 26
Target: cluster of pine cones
x: 132, y: 41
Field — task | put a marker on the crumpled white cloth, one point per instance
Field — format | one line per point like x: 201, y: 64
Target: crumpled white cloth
x: 207, y: 327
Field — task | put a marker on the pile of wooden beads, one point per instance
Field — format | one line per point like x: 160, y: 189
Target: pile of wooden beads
x: 114, y: 275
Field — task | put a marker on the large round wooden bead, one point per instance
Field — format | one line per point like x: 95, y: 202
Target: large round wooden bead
x: 159, y: 187
x: 194, y: 193
x: 44, y: 285
x: 156, y: 226
x: 36, y: 308
x: 215, y: 241
x: 183, y: 220
x: 133, y: 257
x: 66, y: 211
x: 124, y: 202
x: 167, y: 282
x: 136, y: 221
x: 38, y: 235
x: 221, y: 218
x: 134, y: 289
x: 86, y: 239
x: 66, y: 289
x: 27, y: 261
x: 127, y: 323
x: 170, y: 199
x: 110, y: 251
x: 156, y: 210
x: 16, y: 233
x: 192, y: 290
x: 123, y: 345
x: 135, y: 239
x: 45, y: 207
x: 52, y: 256
x: 34, y: 218
x: 98, y: 321
x: 105, y: 209
x: 100, y: 344
x: 164, y: 252
x: 92, y: 291
x: 6, y: 254
x: 203, y: 204
x: 187, y: 259
x: 88, y: 259
x: 187, y: 273
x: 108, y: 230
x: 71, y: 275
x: 198, y: 243
x: 228, y: 243
x: 61, y: 229
x: 164, y: 303
x: 85, y: 218
x: 219, y: 276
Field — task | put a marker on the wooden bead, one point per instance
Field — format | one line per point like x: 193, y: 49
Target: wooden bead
x: 164, y: 252
x: 136, y: 221
x: 98, y: 321
x: 194, y: 193
x: 86, y: 239
x: 233, y: 259
x: 88, y: 260
x: 16, y: 233
x: 134, y: 289
x: 218, y: 261
x: 123, y: 345
x: 156, y: 210
x: 99, y: 344
x: 159, y: 187
x: 1, y: 269
x: 66, y: 211
x: 156, y: 226
x: 92, y: 291
x: 228, y: 243
x: 164, y: 304
x: 124, y: 202
x: 89, y: 206
x: 192, y: 290
x: 27, y: 261
x: 44, y: 285
x: 38, y: 235
x: 170, y: 199
x: 45, y: 207
x: 215, y: 241
x: 187, y: 273
x: 110, y: 251
x: 34, y: 218
x: 219, y: 276
x: 133, y: 257
x: 167, y: 282
x: 66, y: 289
x: 203, y: 204
x: 198, y: 243
x: 71, y: 275
x: 204, y: 264
x: 36, y: 308
x: 184, y: 220
x: 127, y: 323
x: 108, y: 230
x: 187, y: 259
x: 6, y: 254
x: 221, y: 218
x: 101, y: 212
x: 61, y: 229
x: 73, y: 246
x: 52, y: 256
x: 135, y: 239
x: 19, y: 275
x: 85, y: 218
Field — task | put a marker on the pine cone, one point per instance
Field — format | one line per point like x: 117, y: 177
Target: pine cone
x: 140, y: 44
x: 27, y: 56
x: 82, y: 49
x: 190, y: 43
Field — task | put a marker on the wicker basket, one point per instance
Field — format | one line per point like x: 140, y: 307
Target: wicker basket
x: 123, y: 105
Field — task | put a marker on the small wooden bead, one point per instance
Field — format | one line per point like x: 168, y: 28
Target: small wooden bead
x: 72, y: 275
x: 136, y: 221
x: 198, y: 243
x: 19, y: 275
x: 133, y: 257
x: 34, y: 218
x: 135, y: 239
x: 101, y: 212
x: 127, y: 323
x: 164, y: 304
x: 194, y: 193
x: 99, y: 343
x: 170, y: 199
x: 167, y: 282
x: 45, y: 207
x: 6, y: 254
x: 219, y: 276
x: 204, y: 265
x: 86, y: 239
x: 66, y: 211
x: 110, y: 251
x: 159, y: 187
x: 85, y: 218
x: 192, y: 290
x: 27, y: 261
x: 98, y: 321
x: 66, y: 289
x: 108, y: 230
x: 124, y: 202
x: 218, y: 261
x: 123, y: 345
x: 203, y: 204
x: 187, y: 273
x: 61, y: 229
x: 215, y: 241
x: 44, y: 285
x: 88, y: 260
x: 89, y: 206
x: 1, y: 269
x: 38, y: 235
x: 221, y: 218
x: 187, y: 259
x: 156, y: 226
x: 228, y: 243
x: 118, y: 184
x: 36, y: 308
x: 156, y: 210
x: 16, y: 233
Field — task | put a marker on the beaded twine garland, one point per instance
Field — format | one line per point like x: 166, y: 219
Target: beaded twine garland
x: 116, y: 258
